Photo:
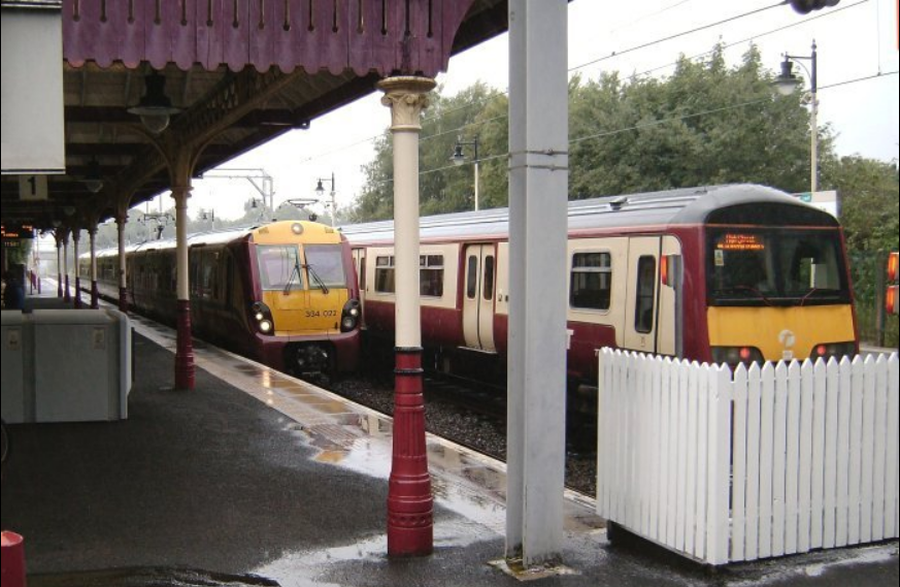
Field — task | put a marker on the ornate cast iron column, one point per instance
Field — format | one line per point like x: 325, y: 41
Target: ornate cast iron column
x: 184, y: 354
x: 410, y: 502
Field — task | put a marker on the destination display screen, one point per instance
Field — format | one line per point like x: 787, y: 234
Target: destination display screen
x: 741, y: 242
x: 15, y: 231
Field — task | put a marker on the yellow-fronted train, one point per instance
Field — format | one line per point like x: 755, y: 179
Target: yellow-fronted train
x: 284, y: 294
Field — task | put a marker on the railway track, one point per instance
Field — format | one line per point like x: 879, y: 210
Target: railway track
x: 472, y: 414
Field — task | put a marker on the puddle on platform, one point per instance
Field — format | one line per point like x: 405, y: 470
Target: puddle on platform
x: 312, y: 568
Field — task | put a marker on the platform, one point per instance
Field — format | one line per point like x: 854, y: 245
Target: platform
x: 257, y: 478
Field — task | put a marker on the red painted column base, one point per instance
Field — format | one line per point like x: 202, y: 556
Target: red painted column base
x: 95, y: 295
x: 123, y: 300
x: 78, y: 302
x: 12, y: 560
x: 184, y: 353
x: 410, y: 501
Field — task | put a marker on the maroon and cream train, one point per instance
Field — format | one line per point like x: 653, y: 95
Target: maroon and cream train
x: 763, y: 276
x: 283, y: 293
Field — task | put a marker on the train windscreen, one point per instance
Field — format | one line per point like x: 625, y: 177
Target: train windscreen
x: 776, y: 267
x: 279, y: 267
x: 326, y: 265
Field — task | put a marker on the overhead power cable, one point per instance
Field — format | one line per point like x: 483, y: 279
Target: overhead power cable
x: 443, y: 113
x: 761, y: 35
x: 659, y: 122
x: 676, y: 36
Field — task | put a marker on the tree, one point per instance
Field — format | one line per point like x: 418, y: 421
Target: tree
x: 478, y: 111
x: 869, y: 191
x: 706, y: 124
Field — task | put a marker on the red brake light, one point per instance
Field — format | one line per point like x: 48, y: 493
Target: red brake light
x: 664, y: 270
x: 821, y: 350
x: 746, y: 354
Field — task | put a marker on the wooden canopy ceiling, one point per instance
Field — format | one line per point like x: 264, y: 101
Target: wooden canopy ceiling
x: 240, y: 73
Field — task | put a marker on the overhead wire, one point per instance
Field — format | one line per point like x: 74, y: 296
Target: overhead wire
x: 615, y: 54
x: 444, y: 113
x: 657, y: 122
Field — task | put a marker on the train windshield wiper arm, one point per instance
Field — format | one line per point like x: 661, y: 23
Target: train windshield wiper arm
x: 753, y: 291
x: 317, y: 278
x: 295, y: 272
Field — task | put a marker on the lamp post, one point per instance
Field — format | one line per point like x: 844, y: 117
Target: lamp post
x: 320, y: 193
x: 787, y: 83
x: 459, y: 158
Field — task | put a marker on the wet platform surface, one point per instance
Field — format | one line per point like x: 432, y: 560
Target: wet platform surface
x: 256, y: 478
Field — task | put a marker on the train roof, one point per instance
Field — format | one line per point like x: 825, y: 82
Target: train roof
x: 218, y: 237
x: 687, y: 206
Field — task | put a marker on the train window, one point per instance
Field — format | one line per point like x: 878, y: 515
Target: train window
x: 488, y: 292
x: 472, y: 281
x: 362, y: 274
x: 279, y: 267
x: 646, y: 295
x: 327, y: 263
x: 431, y: 276
x: 591, y: 281
x: 384, y: 275
x: 780, y: 267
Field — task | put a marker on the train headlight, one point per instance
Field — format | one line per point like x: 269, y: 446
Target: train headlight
x: 837, y: 351
x: 350, y: 316
x: 263, y: 317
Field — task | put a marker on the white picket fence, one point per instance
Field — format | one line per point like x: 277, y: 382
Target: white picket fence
x: 770, y: 462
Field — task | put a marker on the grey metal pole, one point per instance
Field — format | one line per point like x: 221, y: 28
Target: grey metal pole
x: 538, y: 229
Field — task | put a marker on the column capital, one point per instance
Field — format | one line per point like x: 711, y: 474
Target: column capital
x: 407, y: 97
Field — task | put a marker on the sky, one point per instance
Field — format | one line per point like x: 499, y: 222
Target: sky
x: 857, y: 39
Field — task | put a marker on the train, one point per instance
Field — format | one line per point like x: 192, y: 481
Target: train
x: 722, y: 274
x: 283, y: 293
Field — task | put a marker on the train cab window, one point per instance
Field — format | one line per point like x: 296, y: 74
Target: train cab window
x: 488, y: 292
x: 646, y: 295
x: 384, y: 275
x: 326, y: 262
x: 279, y: 267
x: 431, y: 276
x: 591, y: 281
x: 776, y: 267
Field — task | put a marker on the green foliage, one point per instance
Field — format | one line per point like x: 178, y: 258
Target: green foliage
x: 706, y: 124
x: 869, y: 191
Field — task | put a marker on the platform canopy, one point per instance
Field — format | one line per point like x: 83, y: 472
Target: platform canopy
x: 239, y: 73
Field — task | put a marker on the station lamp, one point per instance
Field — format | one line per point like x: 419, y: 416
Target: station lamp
x: 459, y: 158
x: 92, y: 180
x: 155, y: 108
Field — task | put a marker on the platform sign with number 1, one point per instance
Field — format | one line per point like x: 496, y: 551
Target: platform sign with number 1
x: 32, y: 188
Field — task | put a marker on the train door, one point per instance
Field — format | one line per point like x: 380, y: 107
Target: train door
x: 478, y: 297
x: 359, y: 260
x: 642, y: 299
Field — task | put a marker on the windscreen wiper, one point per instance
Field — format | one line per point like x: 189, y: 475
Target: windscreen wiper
x: 294, y: 272
x: 753, y: 291
x: 317, y: 279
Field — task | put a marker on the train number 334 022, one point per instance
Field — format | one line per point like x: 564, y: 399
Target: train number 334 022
x: 321, y: 313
